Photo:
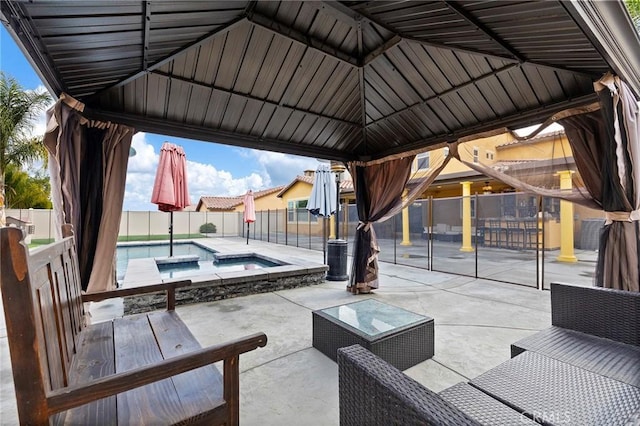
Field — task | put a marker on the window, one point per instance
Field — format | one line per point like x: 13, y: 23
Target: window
x: 476, y: 154
x: 422, y: 161
x: 297, y: 211
x: 490, y: 155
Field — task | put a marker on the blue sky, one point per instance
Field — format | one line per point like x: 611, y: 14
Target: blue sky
x: 212, y: 169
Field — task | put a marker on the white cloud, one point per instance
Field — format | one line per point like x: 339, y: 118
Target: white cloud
x: 280, y: 169
x: 554, y: 127
x: 39, y: 122
x: 203, y: 179
x: 145, y: 160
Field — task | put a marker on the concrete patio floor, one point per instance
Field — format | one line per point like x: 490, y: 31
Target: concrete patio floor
x: 289, y: 382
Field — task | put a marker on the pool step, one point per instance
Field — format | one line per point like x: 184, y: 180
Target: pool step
x: 186, y: 258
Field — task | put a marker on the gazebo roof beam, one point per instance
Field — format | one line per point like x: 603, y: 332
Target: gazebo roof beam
x: 446, y: 92
x: 497, y: 123
x: 300, y: 38
x: 160, y: 125
x: 220, y: 30
x: 254, y: 98
x: 486, y: 31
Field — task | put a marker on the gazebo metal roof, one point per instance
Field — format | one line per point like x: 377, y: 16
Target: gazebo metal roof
x: 335, y: 80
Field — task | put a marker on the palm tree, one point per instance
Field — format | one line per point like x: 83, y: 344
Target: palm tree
x: 24, y: 191
x: 18, y: 146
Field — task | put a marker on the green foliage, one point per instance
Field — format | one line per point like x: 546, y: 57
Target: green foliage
x: 633, y: 6
x: 23, y: 191
x: 18, y: 110
x: 19, y: 147
x: 208, y: 228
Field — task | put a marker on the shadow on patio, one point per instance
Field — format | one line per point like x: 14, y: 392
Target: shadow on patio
x: 290, y: 382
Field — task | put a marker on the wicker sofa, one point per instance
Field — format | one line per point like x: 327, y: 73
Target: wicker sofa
x: 584, y: 369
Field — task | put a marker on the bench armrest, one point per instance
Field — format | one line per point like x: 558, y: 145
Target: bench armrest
x: 372, y: 391
x: 74, y: 396
x: 169, y: 287
x: 603, y: 312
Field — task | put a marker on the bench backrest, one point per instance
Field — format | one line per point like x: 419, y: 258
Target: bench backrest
x: 43, y: 309
x: 603, y: 312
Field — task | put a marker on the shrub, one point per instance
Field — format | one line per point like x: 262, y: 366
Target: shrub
x: 208, y: 228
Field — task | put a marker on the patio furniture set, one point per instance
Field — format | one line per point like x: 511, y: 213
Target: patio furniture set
x: 512, y: 233
x: 584, y: 369
x: 141, y: 369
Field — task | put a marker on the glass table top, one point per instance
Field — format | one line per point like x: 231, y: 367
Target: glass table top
x: 372, y: 317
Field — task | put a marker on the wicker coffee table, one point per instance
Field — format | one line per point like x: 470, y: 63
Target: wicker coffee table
x: 400, y: 337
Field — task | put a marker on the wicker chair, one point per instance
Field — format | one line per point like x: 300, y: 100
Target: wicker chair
x: 585, y: 369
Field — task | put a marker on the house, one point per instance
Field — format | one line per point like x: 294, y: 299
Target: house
x: 296, y: 195
x: 539, y: 161
x: 265, y: 199
x: 544, y: 161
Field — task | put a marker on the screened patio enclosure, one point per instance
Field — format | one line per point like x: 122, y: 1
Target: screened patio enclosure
x: 347, y: 81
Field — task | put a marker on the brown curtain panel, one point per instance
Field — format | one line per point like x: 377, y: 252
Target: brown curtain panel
x: 619, y: 255
x: 378, y: 189
x: 605, y: 144
x: 88, y: 166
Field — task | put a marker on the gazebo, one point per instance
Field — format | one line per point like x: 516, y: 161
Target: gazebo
x: 365, y: 83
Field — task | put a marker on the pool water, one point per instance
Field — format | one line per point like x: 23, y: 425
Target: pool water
x: 212, y: 266
x: 124, y: 253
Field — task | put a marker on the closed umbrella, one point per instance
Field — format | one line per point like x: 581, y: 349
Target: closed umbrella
x: 322, y: 201
x: 249, y: 214
x: 170, y: 190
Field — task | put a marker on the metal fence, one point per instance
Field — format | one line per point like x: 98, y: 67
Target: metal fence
x: 515, y: 237
x: 428, y: 234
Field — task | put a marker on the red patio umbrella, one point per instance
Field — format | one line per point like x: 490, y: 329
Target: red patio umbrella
x: 170, y: 190
x: 249, y: 214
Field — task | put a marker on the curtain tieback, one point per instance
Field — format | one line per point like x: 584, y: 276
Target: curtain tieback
x: 611, y: 217
x: 364, y: 225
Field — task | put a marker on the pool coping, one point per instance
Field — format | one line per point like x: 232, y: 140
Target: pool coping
x: 141, y: 272
x: 145, y: 271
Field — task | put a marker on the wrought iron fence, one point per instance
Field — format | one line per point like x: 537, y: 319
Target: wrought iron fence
x: 514, y: 237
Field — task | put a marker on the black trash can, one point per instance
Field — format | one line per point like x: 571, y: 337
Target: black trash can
x: 337, y: 260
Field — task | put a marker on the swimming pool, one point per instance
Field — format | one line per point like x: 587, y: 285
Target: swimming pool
x: 230, y: 270
x: 144, y: 251
x: 209, y: 261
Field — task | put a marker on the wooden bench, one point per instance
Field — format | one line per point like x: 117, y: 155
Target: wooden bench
x: 142, y: 369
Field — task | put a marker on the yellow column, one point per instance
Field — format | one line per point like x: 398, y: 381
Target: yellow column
x: 406, y: 239
x: 566, y: 221
x: 332, y: 227
x: 466, y: 217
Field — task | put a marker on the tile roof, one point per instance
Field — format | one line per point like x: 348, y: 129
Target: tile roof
x: 229, y: 203
x: 345, y: 185
x: 545, y: 136
x: 299, y: 178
